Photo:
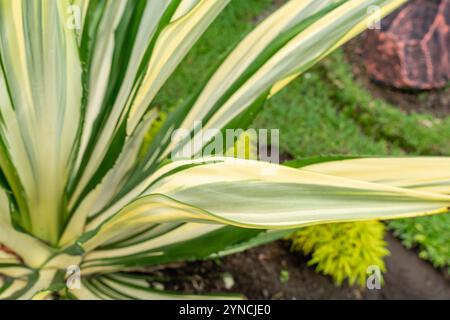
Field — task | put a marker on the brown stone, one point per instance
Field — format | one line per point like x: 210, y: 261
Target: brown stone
x: 412, y: 49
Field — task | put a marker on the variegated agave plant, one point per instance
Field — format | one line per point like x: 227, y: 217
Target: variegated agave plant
x: 75, y: 106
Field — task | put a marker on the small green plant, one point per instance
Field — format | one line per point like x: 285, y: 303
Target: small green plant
x: 284, y: 276
x: 429, y: 235
x: 343, y: 250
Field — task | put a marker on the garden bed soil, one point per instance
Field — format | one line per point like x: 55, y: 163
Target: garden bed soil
x: 256, y: 274
x: 435, y: 102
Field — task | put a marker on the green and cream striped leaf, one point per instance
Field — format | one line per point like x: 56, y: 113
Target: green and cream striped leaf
x: 112, y: 76
x: 30, y: 250
x: 165, y: 171
x: 166, y: 30
x: 372, y: 17
x: 11, y: 266
x: 25, y: 288
x: 98, y: 198
x: 41, y: 93
x: 43, y: 295
x: 259, y: 239
x: 254, y: 194
x: 281, y: 196
x: 174, y: 42
x: 170, y: 242
x: 142, y: 235
x: 122, y: 286
x: 430, y: 174
x: 9, y: 286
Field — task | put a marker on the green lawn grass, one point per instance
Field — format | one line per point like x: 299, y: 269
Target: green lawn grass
x: 326, y: 112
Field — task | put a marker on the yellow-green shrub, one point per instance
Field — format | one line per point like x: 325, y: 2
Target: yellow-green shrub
x: 343, y: 250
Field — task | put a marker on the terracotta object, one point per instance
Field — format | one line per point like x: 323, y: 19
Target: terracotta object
x: 412, y: 49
